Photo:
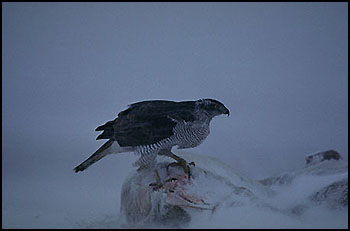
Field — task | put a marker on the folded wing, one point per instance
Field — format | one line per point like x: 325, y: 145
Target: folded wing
x: 147, y: 122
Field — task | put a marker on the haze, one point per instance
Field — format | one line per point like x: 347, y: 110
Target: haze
x: 281, y: 69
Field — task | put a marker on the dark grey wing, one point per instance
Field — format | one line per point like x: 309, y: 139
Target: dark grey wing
x: 147, y: 122
x: 154, y: 108
x: 144, y: 131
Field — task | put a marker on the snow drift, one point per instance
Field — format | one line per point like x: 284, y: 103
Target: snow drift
x: 217, y: 196
x: 216, y: 193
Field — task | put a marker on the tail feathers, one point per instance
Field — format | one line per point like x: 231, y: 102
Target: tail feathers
x: 109, y: 124
x: 99, y: 154
x: 106, y: 134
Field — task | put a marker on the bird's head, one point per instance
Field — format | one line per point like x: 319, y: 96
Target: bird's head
x: 212, y: 107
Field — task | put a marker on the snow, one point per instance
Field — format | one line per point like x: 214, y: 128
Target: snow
x: 224, y: 198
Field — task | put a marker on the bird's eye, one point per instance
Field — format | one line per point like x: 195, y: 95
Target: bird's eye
x: 216, y: 106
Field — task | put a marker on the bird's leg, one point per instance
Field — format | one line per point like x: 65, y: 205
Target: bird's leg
x: 180, y: 162
x: 158, y: 184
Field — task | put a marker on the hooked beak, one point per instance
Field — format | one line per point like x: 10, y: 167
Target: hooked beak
x: 227, y: 112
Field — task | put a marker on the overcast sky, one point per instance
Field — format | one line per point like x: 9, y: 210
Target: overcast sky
x: 281, y: 69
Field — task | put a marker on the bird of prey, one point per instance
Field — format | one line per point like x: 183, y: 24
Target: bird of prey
x: 153, y: 127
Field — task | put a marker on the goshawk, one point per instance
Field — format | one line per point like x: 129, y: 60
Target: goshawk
x: 152, y: 128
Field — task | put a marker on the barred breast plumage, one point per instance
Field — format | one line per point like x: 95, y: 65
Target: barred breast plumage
x: 186, y: 135
x: 190, y: 135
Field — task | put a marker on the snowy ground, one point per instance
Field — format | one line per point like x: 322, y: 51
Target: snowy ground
x: 90, y: 200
